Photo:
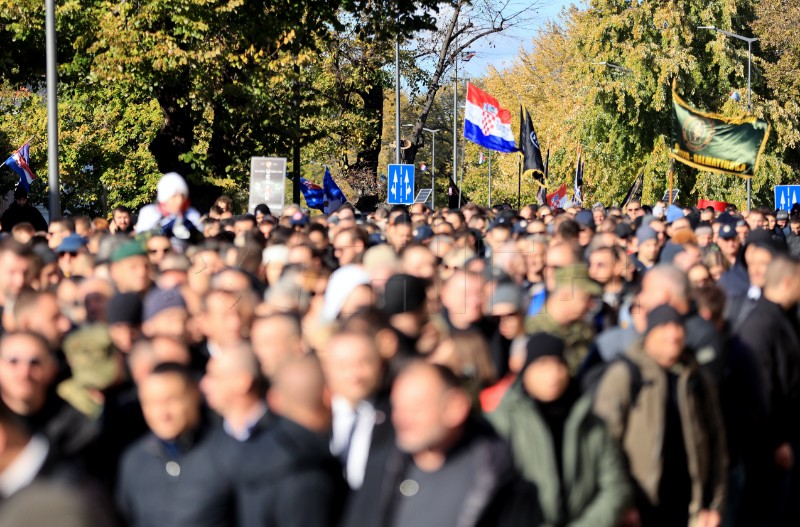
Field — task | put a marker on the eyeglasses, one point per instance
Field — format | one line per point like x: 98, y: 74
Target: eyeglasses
x: 35, y: 362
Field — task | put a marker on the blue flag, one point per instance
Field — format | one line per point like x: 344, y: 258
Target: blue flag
x: 334, y: 197
x: 19, y: 162
x: 313, y: 193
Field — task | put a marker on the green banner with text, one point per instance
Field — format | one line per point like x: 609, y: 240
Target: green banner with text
x: 715, y: 143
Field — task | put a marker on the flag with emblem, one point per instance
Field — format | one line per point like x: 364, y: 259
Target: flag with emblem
x: 532, y: 164
x: 558, y: 198
x: 313, y: 194
x: 486, y: 123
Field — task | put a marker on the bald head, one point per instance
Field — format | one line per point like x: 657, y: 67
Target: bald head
x: 298, y: 393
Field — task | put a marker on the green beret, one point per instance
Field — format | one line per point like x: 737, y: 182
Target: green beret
x: 132, y: 248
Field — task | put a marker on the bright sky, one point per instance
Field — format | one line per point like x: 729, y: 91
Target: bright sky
x: 504, y: 48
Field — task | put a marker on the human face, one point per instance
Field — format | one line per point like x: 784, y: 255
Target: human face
x: 463, y: 297
x: 729, y: 247
x: 55, y: 235
x: 353, y: 367
x: 157, y: 248
x: 420, y: 411
x: 170, y: 322
x: 546, y: 379
x: 795, y: 227
x: 633, y: 209
x: 49, y: 322
x: 13, y: 273
x: 132, y: 274
x: 648, y: 251
x: 699, y: 276
x: 599, y: 216
x: 345, y: 249
x: 122, y: 220
x: 758, y: 259
x: 222, y: 383
x: 665, y: 344
x: 419, y: 262
x: 346, y: 219
x: 401, y: 236
x: 223, y: 322
x: 26, y: 371
x: 274, y: 342
x: 171, y: 407
x: 601, y: 267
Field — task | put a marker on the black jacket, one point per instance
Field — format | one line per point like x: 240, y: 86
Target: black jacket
x: 150, y: 474
x: 71, y: 434
x: 28, y: 213
x: 498, y: 496
x: 206, y: 497
x: 295, y: 483
x: 772, y: 337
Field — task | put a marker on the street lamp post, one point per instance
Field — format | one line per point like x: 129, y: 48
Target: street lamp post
x: 433, y: 165
x: 749, y: 41
x: 52, y: 111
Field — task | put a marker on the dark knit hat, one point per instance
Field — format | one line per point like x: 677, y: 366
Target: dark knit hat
x: 158, y: 300
x: 663, y: 314
x: 404, y: 293
x: 125, y: 308
x: 543, y: 345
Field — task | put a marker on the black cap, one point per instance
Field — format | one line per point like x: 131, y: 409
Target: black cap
x: 623, y: 230
x: 404, y: 293
x: 663, y: 314
x: 125, y: 308
x: 543, y: 345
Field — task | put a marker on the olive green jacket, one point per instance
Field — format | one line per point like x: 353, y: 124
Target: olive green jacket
x: 577, y: 337
x: 639, y: 426
x: 595, y: 481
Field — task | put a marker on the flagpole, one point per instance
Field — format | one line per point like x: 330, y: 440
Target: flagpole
x: 52, y: 110
x: 671, y: 173
x: 455, y: 125
x: 519, y: 182
x: 490, y: 179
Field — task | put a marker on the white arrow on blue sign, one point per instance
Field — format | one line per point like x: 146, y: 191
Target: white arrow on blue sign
x: 400, y: 185
x: 786, y: 196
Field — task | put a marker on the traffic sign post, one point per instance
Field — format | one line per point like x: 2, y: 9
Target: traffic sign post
x: 786, y: 196
x: 400, y: 185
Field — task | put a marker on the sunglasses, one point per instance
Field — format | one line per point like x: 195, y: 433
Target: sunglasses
x: 72, y: 254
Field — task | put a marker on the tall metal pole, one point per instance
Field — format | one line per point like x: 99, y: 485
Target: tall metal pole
x: 490, y: 179
x: 749, y: 58
x: 397, y: 100
x: 52, y: 111
x: 455, y: 129
x: 296, y: 145
x: 433, y: 169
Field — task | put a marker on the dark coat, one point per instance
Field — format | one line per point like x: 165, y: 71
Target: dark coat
x: 149, y: 477
x: 772, y: 337
x: 16, y: 214
x: 207, y: 494
x: 498, y: 495
x: 71, y: 433
x: 295, y: 483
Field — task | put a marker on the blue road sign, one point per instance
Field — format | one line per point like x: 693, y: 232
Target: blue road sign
x: 786, y: 196
x: 400, y: 186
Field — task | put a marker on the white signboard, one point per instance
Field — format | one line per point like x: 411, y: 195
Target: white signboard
x: 268, y: 183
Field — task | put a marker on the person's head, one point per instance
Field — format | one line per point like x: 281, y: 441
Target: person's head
x: 95, y: 294
x: 605, y: 266
x: 23, y: 232
x: 157, y: 248
x: 164, y: 314
x: 634, y: 209
x: 39, y: 312
x: 27, y: 370
x: 298, y: 393
x: 233, y: 379
x: 729, y: 241
x: 418, y: 260
x: 794, y: 223
x: 21, y: 196
x: 352, y: 365
x: 349, y: 245
x: 758, y: 257
x: 276, y: 338
x: 665, y: 337
x: 545, y: 376
x: 346, y: 216
x: 222, y: 319
x: 665, y: 284
x: 756, y: 219
x: 121, y: 216
x: 782, y: 285
x: 170, y: 401
x: 58, y: 230
x: 130, y: 268
x: 172, y: 193
x: 429, y: 408
x: 558, y: 255
x: 573, y: 294
x: 462, y: 295
x: 506, y: 305
x: 124, y: 318
x: 15, y: 264
x: 399, y: 233
x: 647, y: 243
x: 699, y: 275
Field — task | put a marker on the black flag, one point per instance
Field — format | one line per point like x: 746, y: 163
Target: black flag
x: 532, y: 164
x: 635, y: 192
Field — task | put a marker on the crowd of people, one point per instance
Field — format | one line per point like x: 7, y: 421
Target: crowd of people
x: 612, y: 366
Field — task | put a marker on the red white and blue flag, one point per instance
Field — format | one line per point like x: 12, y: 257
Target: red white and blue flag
x: 486, y: 123
x: 313, y: 193
x: 19, y: 162
x: 558, y: 199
